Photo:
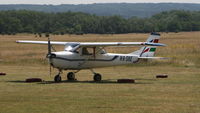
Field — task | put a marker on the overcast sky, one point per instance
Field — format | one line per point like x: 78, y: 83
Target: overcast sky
x: 56, y: 2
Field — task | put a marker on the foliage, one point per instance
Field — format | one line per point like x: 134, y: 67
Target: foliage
x: 126, y: 10
x: 24, y: 21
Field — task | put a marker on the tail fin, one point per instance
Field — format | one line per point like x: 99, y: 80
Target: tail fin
x: 148, y: 51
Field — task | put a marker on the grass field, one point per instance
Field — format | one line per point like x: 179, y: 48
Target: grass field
x: 180, y: 93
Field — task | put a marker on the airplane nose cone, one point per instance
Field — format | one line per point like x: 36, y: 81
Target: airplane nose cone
x: 52, y: 55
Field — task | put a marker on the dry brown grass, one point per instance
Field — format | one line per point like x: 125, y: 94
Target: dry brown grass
x: 177, y: 94
x: 183, y: 48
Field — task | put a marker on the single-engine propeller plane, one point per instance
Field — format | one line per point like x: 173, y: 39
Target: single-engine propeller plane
x: 88, y: 55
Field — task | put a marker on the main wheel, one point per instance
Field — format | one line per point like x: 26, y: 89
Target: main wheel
x: 57, y: 78
x: 71, y: 76
x: 97, y: 77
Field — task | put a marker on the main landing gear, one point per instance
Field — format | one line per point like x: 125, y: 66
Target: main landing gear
x: 97, y: 77
x: 71, y: 76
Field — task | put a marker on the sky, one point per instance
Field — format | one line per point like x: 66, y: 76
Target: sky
x: 57, y: 2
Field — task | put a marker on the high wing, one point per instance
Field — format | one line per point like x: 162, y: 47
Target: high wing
x: 104, y: 44
x: 94, y: 44
x: 40, y: 42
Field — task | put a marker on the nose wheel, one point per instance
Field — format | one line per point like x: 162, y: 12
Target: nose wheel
x: 57, y: 78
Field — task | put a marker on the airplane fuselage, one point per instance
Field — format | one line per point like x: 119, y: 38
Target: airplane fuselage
x: 65, y: 60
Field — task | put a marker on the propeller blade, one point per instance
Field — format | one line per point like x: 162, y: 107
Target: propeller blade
x: 49, y: 69
x: 49, y: 55
x: 49, y: 47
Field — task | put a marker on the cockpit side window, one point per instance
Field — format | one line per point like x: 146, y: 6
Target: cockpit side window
x: 102, y: 50
x: 87, y: 51
x: 92, y: 51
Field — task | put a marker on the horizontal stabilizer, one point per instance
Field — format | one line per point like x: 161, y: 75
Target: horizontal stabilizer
x: 161, y: 58
x: 155, y: 44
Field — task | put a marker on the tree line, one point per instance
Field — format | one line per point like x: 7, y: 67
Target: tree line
x: 126, y: 10
x: 23, y: 21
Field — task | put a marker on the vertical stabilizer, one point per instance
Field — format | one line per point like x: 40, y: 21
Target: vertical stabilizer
x: 148, y: 51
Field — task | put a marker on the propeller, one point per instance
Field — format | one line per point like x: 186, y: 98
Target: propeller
x: 49, y: 55
x: 49, y: 47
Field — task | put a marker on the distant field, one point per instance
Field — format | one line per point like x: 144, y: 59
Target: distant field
x: 177, y: 94
x: 183, y: 48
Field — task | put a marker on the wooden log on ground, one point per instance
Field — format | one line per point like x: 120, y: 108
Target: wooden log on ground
x: 34, y: 80
x: 2, y: 74
x: 162, y: 76
x: 126, y: 81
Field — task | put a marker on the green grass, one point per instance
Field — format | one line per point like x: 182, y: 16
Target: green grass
x: 177, y: 94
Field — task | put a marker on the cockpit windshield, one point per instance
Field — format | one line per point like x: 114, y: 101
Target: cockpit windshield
x: 69, y: 46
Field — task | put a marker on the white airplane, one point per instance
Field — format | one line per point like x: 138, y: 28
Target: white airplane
x: 88, y: 55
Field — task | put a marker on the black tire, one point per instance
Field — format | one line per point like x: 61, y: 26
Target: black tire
x: 71, y: 76
x: 97, y: 77
x: 57, y: 78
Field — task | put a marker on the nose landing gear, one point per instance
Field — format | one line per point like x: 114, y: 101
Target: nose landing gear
x: 58, y: 78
